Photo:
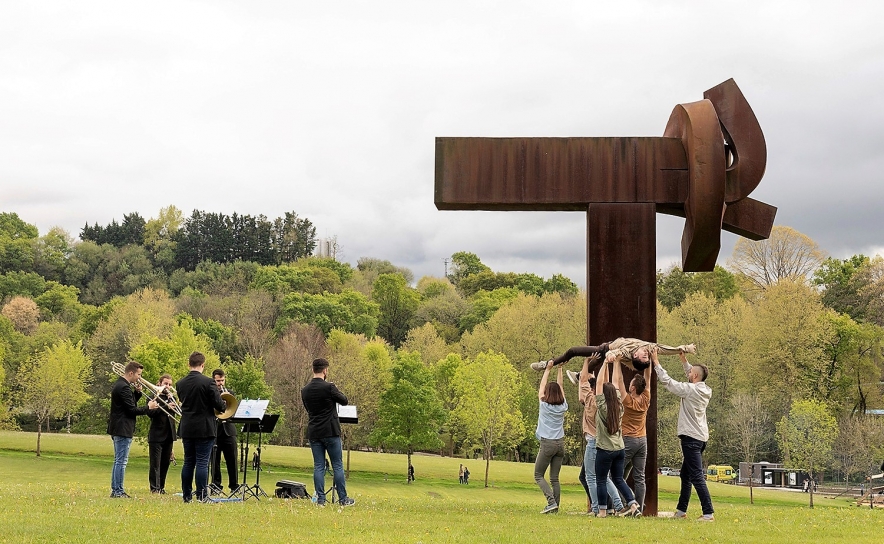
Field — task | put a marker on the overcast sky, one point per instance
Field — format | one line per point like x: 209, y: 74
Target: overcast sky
x: 330, y: 109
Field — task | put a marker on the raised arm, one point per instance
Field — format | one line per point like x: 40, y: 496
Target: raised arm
x: 601, y: 379
x: 541, y: 390
x: 585, y: 389
x: 678, y: 388
x: 618, y: 380
x: 685, y: 364
x: 559, y: 378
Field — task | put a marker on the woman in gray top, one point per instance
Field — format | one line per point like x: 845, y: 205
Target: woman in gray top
x: 551, y: 433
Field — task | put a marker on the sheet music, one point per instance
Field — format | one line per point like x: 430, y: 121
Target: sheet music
x: 347, y: 414
x: 251, y: 409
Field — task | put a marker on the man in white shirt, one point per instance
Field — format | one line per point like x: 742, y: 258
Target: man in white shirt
x: 693, y: 431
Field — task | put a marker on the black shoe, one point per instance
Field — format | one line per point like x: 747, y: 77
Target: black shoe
x: 122, y: 495
x: 347, y: 501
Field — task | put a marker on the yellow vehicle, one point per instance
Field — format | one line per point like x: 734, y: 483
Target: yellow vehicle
x: 721, y: 473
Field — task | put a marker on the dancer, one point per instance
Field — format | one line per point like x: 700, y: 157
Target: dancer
x: 631, y: 352
x: 693, y: 432
x: 609, y: 443
x: 586, y: 395
x: 636, y: 402
x: 551, y: 433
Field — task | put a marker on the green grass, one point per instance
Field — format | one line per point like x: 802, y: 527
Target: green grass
x: 63, y: 497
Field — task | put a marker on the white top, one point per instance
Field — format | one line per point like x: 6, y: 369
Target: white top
x: 692, y: 409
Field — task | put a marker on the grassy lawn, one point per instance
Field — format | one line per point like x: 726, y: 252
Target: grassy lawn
x: 63, y: 497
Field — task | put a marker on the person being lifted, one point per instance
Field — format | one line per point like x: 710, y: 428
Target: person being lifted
x: 631, y: 352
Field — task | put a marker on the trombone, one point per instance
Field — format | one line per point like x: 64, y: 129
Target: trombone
x: 170, y: 407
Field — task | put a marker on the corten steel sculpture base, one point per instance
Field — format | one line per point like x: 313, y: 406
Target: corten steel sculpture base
x: 710, y: 158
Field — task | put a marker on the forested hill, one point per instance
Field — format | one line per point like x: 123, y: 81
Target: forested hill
x: 782, y: 325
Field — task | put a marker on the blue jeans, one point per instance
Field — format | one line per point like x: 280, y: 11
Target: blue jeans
x: 692, y: 474
x: 589, y: 467
x: 121, y: 459
x: 611, y: 462
x: 196, y: 460
x: 332, y: 446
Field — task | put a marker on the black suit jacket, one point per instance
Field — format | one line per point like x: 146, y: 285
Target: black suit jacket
x: 320, y: 399
x: 199, y: 399
x: 123, y: 409
x: 162, y: 426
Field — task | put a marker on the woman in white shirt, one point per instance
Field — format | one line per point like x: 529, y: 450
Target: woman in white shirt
x: 551, y: 433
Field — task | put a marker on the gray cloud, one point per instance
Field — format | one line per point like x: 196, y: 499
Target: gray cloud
x: 331, y: 111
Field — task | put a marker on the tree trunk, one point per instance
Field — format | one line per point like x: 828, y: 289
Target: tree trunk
x: 69, y: 423
x: 810, y: 488
x: 751, y: 477
x: 39, y: 434
x: 487, y: 464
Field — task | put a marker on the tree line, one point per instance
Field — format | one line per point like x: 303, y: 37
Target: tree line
x: 437, y: 364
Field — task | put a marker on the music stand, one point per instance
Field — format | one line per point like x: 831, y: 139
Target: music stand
x: 250, y: 413
x: 266, y: 425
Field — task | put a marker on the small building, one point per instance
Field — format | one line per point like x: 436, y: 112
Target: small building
x: 771, y: 475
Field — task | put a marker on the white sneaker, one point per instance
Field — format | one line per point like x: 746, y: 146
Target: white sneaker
x: 573, y: 376
x: 539, y: 366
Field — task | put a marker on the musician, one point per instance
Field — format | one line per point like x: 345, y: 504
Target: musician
x: 225, y: 442
x: 161, y: 436
x: 320, y: 398
x: 200, y: 399
x: 121, y: 423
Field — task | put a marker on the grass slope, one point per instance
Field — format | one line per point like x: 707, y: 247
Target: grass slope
x: 63, y: 497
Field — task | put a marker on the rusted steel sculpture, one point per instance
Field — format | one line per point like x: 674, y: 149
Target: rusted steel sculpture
x: 711, y: 157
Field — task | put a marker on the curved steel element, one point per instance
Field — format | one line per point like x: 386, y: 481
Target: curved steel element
x: 744, y: 138
x: 696, y: 124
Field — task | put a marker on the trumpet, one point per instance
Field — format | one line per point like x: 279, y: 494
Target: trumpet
x: 170, y: 407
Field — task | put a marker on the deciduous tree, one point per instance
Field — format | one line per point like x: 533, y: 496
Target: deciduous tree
x: 806, y: 436
x: 786, y: 254
x: 488, y: 403
x: 55, y: 383
x: 410, y: 413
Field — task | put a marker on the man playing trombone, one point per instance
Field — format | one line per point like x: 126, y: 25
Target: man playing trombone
x: 121, y: 423
x: 225, y: 442
x: 161, y: 435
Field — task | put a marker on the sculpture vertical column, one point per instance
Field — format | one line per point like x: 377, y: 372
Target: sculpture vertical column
x: 620, y: 301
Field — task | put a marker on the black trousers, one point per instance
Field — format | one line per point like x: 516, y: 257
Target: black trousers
x: 160, y: 457
x: 584, y: 351
x: 226, y: 446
